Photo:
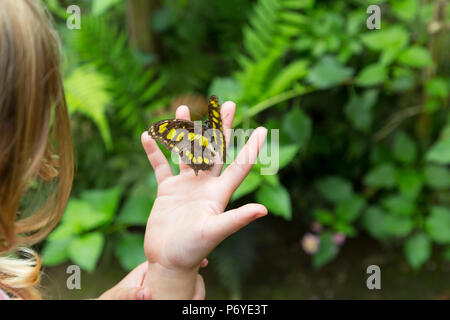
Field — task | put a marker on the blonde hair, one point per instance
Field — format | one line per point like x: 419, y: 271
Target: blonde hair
x: 32, y: 151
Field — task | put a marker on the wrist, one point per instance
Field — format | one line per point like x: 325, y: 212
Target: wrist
x: 170, y: 283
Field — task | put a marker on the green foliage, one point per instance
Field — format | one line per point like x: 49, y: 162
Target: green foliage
x: 130, y: 250
x: 328, y: 72
x: 359, y: 109
x: 328, y: 250
x: 85, y: 250
x: 364, y: 127
x: 87, y: 93
x: 335, y: 189
x: 276, y: 199
x: 418, y: 250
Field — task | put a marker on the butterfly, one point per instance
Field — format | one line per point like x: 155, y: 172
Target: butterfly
x: 195, y: 143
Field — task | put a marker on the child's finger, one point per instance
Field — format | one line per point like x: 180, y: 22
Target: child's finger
x: 183, y: 114
x: 199, y: 291
x: 204, y: 263
x: 227, y: 113
x: 157, y: 159
x: 123, y: 293
x: 231, y: 221
x: 236, y: 172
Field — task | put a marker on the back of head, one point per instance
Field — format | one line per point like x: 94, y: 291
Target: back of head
x: 35, y: 141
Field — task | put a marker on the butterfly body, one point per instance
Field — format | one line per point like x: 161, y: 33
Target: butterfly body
x: 195, y: 143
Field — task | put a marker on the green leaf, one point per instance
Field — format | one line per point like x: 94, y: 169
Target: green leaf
x: 226, y: 89
x: 289, y: 74
x: 250, y: 184
x: 130, y: 250
x: 437, y: 87
x: 438, y: 224
x: 440, y: 152
x: 416, y: 56
x: 327, y: 251
x: 96, y: 207
x: 276, y: 199
x: 390, y: 41
x: 410, y: 182
x: 381, y: 176
x: 105, y: 201
x: 405, y: 9
x: 399, y: 204
x: 387, y: 37
x: 298, y: 126
x: 139, y: 202
x: 86, y: 250
x: 404, y: 148
x: 373, y: 222
x: 382, y: 225
x: 372, y: 75
x: 397, y: 226
x: 359, y: 109
x: 329, y: 72
x: 324, y: 217
x: 446, y: 253
x: 335, y: 189
x: 350, y: 209
x: 437, y: 177
x: 287, y: 154
x: 64, y: 231
x: 81, y: 216
x: 86, y: 93
x: 55, y: 252
x: 99, y: 7
x: 417, y: 250
x: 136, y: 210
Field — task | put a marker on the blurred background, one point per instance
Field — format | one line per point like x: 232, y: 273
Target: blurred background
x: 364, y: 140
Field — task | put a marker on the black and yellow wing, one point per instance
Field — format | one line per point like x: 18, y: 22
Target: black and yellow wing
x: 196, y: 144
x: 215, y: 124
x: 180, y: 136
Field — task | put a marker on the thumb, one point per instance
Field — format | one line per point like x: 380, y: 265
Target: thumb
x: 231, y: 221
x: 122, y: 293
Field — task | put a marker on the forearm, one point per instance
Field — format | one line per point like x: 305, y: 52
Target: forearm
x: 167, y: 284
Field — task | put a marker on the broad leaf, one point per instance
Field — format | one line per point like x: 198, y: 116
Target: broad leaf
x: 276, y: 199
x: 418, y: 250
x: 130, y: 250
x: 381, y: 176
x: 328, y: 250
x: 329, y: 72
x: 335, y: 189
x: 86, y: 250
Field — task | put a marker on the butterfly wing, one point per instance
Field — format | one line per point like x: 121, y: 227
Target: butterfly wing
x: 215, y: 121
x: 179, y: 136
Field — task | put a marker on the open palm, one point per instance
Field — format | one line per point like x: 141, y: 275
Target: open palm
x: 187, y: 220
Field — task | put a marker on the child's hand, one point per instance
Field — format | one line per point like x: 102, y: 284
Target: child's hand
x: 187, y: 220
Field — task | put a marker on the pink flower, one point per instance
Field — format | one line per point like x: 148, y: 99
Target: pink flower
x: 310, y: 243
x: 339, y: 238
x: 316, y: 227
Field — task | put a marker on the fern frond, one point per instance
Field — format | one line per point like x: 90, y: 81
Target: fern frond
x: 87, y: 93
x: 267, y: 41
x: 134, y: 84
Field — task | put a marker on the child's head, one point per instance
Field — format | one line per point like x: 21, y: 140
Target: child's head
x: 35, y: 141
